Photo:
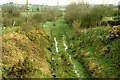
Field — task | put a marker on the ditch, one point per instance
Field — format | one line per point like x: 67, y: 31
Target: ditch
x: 63, y: 64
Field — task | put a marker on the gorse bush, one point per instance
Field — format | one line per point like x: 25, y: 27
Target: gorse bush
x: 20, y: 70
x: 115, y: 32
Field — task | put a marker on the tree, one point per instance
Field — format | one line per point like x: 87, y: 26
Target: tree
x: 11, y: 15
x: 39, y: 17
x: 10, y: 10
x: 52, y: 14
x: 72, y: 12
x: 89, y: 16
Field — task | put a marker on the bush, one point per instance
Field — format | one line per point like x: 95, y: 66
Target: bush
x: 39, y: 17
x: 11, y: 15
x: 72, y: 12
x: 20, y: 70
x: 8, y: 22
x: 10, y: 10
x: 115, y: 32
x: 89, y: 16
x: 51, y: 14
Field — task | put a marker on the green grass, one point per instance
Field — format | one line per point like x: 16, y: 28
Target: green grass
x: 88, y: 48
x: 57, y: 28
x: 94, y: 41
x: 62, y: 70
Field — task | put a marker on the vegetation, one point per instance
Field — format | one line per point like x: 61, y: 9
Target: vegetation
x: 98, y: 53
x: 79, y: 42
x: 88, y: 16
x: 13, y: 16
x: 22, y: 56
x: 91, y: 44
x: 10, y: 10
x: 115, y: 32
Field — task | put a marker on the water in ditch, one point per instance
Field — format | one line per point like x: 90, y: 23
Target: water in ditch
x: 65, y: 66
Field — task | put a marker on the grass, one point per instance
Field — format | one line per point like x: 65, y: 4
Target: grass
x: 94, y: 55
x: 93, y: 47
x: 61, y: 68
x: 56, y: 28
x: 17, y: 45
x: 93, y: 59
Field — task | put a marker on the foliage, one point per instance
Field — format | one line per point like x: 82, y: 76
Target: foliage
x: 25, y: 58
x: 39, y: 17
x: 51, y: 14
x: 11, y: 16
x: 89, y: 16
x: 96, y: 52
x: 76, y: 25
x: 8, y: 22
x: 38, y: 37
x: 61, y: 62
x: 10, y: 10
x: 72, y: 12
x: 21, y: 69
x: 115, y: 32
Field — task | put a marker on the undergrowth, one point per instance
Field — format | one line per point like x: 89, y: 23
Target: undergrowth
x: 97, y: 52
x: 24, y: 53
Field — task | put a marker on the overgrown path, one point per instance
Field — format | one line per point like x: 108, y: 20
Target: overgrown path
x: 63, y: 64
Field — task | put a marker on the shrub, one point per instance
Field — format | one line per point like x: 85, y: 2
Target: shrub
x: 51, y: 14
x: 89, y: 16
x: 10, y: 10
x: 8, y: 22
x: 39, y: 17
x: 11, y: 14
x: 115, y: 32
x: 48, y: 15
x: 21, y: 69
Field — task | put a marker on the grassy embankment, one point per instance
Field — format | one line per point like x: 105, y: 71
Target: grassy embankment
x: 60, y: 62
x: 24, y: 53
x: 98, y: 53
